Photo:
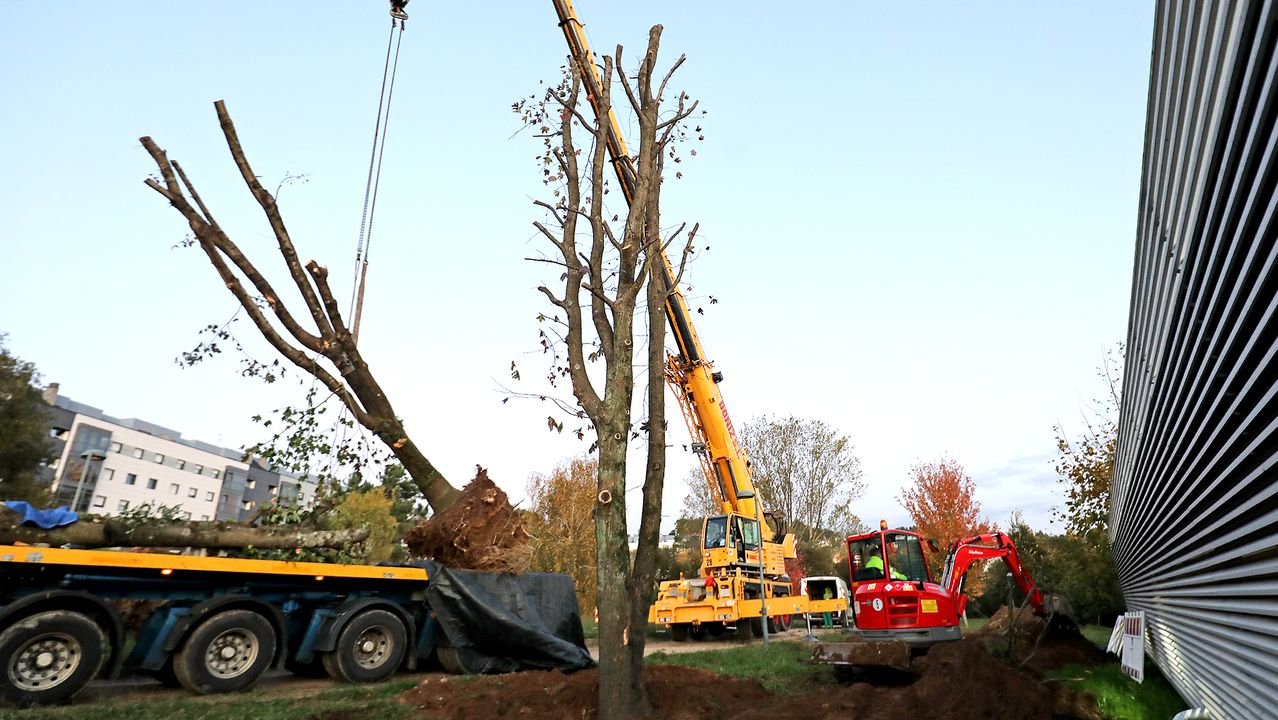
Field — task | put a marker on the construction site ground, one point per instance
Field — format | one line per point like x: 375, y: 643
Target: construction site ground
x: 967, y: 679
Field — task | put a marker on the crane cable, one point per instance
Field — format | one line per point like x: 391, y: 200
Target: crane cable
x: 399, y: 19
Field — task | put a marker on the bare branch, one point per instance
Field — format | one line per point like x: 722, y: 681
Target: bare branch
x: 269, y: 207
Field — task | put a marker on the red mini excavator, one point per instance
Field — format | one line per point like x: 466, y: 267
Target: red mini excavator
x: 895, y: 605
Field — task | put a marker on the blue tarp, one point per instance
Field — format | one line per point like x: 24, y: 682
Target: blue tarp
x: 47, y: 519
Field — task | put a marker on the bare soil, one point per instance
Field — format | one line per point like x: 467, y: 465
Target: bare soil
x: 481, y: 531
x: 953, y: 681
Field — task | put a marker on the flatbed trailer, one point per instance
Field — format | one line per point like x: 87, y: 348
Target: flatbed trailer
x: 219, y: 623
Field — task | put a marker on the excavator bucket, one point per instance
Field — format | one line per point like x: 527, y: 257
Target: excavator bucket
x: 863, y: 653
x: 1060, y: 613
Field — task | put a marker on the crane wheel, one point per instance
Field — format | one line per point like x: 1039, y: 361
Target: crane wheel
x: 49, y: 657
x: 226, y: 653
x: 679, y: 632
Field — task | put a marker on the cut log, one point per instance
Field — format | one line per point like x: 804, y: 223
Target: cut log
x: 480, y: 531
x: 108, y: 532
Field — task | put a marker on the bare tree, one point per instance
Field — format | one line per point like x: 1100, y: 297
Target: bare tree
x: 806, y: 472
x: 603, y: 273
x: 319, y: 342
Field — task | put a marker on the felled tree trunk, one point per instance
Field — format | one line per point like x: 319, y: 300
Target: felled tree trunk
x: 113, y: 533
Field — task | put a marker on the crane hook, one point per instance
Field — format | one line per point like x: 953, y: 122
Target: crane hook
x: 397, y: 12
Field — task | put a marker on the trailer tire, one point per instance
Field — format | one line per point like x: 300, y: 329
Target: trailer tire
x: 226, y: 653
x: 49, y: 657
x: 714, y: 628
x: 756, y: 626
x: 369, y: 649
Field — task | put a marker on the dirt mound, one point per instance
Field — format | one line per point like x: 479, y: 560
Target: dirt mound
x: 675, y: 692
x: 956, y: 681
x: 1040, y: 645
x: 481, y: 531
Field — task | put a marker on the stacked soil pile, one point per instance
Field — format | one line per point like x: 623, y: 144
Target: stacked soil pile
x: 1060, y: 643
x: 481, y: 531
x: 955, y: 681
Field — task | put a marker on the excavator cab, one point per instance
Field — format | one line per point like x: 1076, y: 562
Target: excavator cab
x: 891, y: 555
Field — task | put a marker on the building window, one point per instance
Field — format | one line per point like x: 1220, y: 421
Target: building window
x: 106, y: 473
x: 181, y: 464
x: 274, y: 491
x: 209, y: 497
x: 204, y: 517
x: 131, y: 479
x: 224, y: 499
x: 214, y: 473
x: 99, y: 501
x: 159, y: 458
x: 116, y: 447
x: 137, y: 453
x: 192, y: 492
x: 248, y: 504
x: 174, y: 489
x: 124, y: 505
x: 198, y: 469
x: 151, y: 483
x: 251, y: 484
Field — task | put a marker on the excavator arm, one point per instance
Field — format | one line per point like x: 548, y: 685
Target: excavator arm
x: 724, y: 462
x: 988, y: 546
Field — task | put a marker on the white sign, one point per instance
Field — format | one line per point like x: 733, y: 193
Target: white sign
x: 1133, y: 657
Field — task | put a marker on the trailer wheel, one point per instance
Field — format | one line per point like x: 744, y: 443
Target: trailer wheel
x: 369, y: 648
x: 756, y: 626
x: 226, y: 653
x: 49, y: 657
x: 714, y: 628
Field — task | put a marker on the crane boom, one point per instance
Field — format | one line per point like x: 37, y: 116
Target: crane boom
x: 724, y: 462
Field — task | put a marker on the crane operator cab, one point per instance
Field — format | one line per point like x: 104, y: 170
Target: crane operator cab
x: 731, y: 540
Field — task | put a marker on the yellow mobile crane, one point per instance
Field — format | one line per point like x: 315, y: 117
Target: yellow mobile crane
x: 735, y: 582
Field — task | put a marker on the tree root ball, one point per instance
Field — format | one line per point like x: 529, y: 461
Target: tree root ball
x: 481, y: 531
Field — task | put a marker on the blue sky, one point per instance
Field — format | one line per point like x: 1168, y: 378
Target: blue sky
x: 921, y: 216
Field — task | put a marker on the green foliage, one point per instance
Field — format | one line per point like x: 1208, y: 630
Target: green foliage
x: 24, y: 427
x: 1085, y: 465
x: 366, y: 509
x: 279, y: 702
x: 781, y: 667
x: 1120, y: 697
x: 310, y: 440
x: 150, y: 514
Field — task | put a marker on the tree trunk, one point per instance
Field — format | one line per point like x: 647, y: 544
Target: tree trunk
x: 110, y: 532
x: 616, y: 701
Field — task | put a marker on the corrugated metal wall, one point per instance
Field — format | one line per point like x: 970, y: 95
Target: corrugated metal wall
x: 1194, y: 517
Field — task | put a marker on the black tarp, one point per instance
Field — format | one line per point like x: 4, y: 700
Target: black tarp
x: 499, y: 622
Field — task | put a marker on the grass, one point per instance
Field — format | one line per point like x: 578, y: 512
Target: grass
x: 782, y: 667
x: 373, y: 701
x: 1120, y: 697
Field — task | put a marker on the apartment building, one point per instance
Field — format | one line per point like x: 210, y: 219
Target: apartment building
x: 108, y: 465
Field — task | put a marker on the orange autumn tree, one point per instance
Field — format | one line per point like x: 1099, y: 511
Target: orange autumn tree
x: 942, y: 502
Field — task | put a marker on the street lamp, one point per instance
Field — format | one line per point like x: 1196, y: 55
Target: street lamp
x: 89, y: 456
x: 763, y: 586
